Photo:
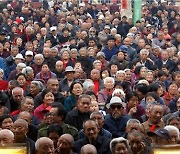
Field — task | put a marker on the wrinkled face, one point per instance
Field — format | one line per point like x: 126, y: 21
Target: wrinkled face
x: 70, y: 76
x: 38, y: 60
x: 164, y: 55
x: 48, y: 98
x: 144, y: 55
x: 120, y: 148
x: 28, y: 105
x: 99, y: 120
x: 77, y: 89
x: 120, y: 77
x: 174, y: 136
x: 116, y: 110
x: 64, y: 145
x: 173, y: 89
x: 17, y: 95
x: 91, y: 130
x: 133, y: 126
x: 156, y: 114
x: 109, y: 84
x: 83, y: 105
x: 135, y: 143
x: 46, y: 148
x: 95, y: 74
x: 19, y: 130
x: 34, y: 89
x: 98, y: 66
x: 53, y: 86
x: 7, y: 124
x: 65, y: 55
x: 149, y: 76
x: 73, y: 54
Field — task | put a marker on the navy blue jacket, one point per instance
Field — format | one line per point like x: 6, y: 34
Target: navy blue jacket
x: 116, y: 126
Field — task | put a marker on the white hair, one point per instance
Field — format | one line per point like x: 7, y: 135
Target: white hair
x: 87, y: 83
x: 109, y: 78
x: 172, y: 128
x: 144, y: 51
x: 7, y: 131
x: 27, y: 70
x: 40, y: 140
x: 97, y: 61
x: 39, y: 55
x: 16, y: 88
x: 178, y: 53
x: 133, y: 121
x: 118, y: 91
x: 120, y: 72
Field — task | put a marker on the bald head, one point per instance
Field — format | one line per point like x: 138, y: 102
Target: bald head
x: 25, y: 116
x: 17, y: 94
x: 44, y: 145
x: 88, y: 149
x: 22, y: 122
x: 6, y: 137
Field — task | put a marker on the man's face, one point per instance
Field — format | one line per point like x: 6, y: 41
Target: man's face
x: 144, y: 56
x: 95, y: 74
x: 156, y: 114
x: 91, y: 130
x: 111, y: 43
x: 5, y: 139
x: 116, y: 110
x: 17, y: 95
x: 174, y: 137
x: 19, y: 130
x: 70, y: 76
x: 28, y: 105
x: 83, y: 105
x: 64, y: 145
x: 135, y: 143
x: 53, y: 86
x: 46, y: 148
x: 132, y: 126
x: 98, y: 118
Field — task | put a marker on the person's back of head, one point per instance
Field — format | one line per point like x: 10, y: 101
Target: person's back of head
x: 88, y: 149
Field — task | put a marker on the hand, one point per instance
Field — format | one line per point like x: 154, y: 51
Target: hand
x: 133, y: 110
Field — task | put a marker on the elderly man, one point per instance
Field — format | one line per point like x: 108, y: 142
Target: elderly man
x: 88, y: 148
x: 115, y: 121
x: 6, y: 137
x: 154, y: 121
x: 65, y: 144
x: 92, y: 137
x: 15, y: 100
x: 44, y: 145
x: 38, y: 61
x: 20, y: 130
x: 99, y: 118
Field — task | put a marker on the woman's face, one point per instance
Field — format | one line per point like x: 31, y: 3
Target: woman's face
x: 143, y: 72
x: 22, y: 80
x: 7, y: 45
x: 34, y: 90
x: 48, y: 98
x: 133, y: 102
x: 114, y: 68
x: 65, y: 55
x: 77, y: 89
x: 149, y: 76
x: 109, y: 84
x: 45, y: 68
x: 120, y: 77
x: 120, y: 148
x: 128, y: 75
x: 7, y: 123
x: 160, y: 91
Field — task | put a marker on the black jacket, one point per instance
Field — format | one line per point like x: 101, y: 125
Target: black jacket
x: 75, y: 118
x: 101, y: 144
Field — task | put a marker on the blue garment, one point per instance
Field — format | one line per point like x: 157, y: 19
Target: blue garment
x: 116, y: 126
x: 70, y: 102
x: 109, y: 53
x: 3, y: 67
x: 172, y: 105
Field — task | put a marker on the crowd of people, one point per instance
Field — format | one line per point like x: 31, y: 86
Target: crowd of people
x: 81, y: 78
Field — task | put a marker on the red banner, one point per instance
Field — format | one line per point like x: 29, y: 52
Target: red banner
x: 124, y: 4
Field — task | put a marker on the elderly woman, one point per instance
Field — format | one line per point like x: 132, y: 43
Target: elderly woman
x: 3, y: 83
x: 65, y: 58
x: 35, y: 88
x: 88, y: 85
x: 120, y: 75
x: 38, y: 61
x: 29, y: 73
x: 174, y: 133
x: 97, y: 65
x: 120, y: 145
x: 107, y: 91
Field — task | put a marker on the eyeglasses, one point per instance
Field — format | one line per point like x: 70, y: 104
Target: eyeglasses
x: 92, y: 31
x: 116, y: 106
